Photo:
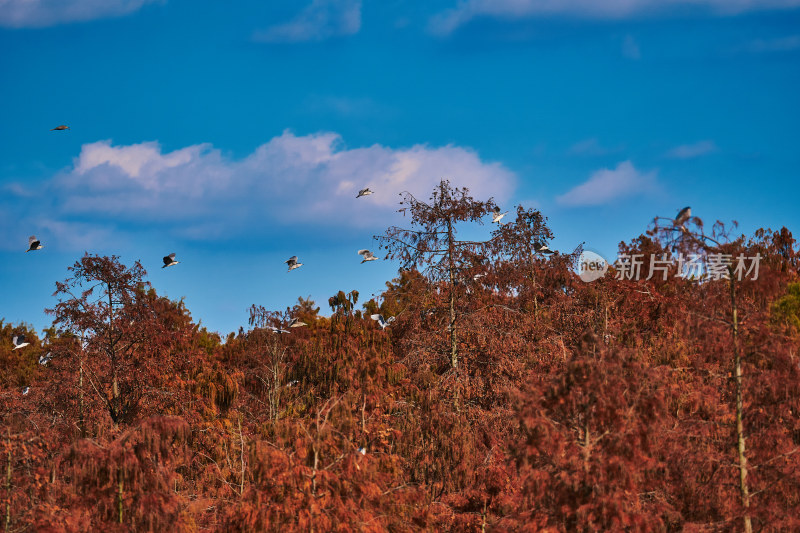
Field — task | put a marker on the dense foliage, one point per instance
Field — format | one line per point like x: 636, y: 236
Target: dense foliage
x: 507, y: 395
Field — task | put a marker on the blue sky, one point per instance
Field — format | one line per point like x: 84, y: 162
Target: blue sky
x: 238, y: 135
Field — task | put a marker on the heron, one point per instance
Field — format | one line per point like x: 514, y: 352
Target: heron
x: 33, y: 244
x: 683, y: 216
x: 497, y: 215
x: 19, y: 342
x: 278, y: 330
x: 541, y: 248
x: 169, y: 260
x: 60, y: 128
x: 364, y: 192
x: 292, y: 262
x: 44, y: 359
x: 382, y: 322
x: 367, y: 255
x: 296, y: 323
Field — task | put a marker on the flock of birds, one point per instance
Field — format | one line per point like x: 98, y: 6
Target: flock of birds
x: 293, y: 263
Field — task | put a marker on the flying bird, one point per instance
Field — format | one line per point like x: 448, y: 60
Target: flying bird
x: 541, y: 248
x: 279, y: 331
x: 381, y: 321
x: 367, y: 255
x: 169, y: 260
x: 364, y: 192
x: 60, y: 128
x: 44, y: 359
x: 292, y: 262
x: 33, y: 244
x: 19, y: 342
x: 296, y: 323
x: 683, y: 216
x: 497, y: 215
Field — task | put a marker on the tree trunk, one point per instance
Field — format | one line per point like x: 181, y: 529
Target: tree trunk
x: 737, y: 363
x: 8, y: 483
x: 453, y: 335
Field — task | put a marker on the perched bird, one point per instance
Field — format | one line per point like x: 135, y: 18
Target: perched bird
x: 381, y: 321
x: 33, y: 244
x: 683, y: 216
x: 292, y: 262
x: 364, y: 192
x: 541, y: 248
x: 279, y: 331
x: 60, y: 128
x: 296, y: 323
x: 497, y: 215
x: 19, y: 342
x: 367, y: 255
x: 362, y: 451
x: 44, y: 359
x: 25, y: 391
x: 292, y: 383
x: 169, y: 260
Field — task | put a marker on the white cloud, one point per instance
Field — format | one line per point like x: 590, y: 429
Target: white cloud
x: 689, y: 151
x: 606, y: 185
x: 448, y: 21
x: 321, y: 20
x: 42, y: 13
x: 591, y: 147
x: 290, y: 180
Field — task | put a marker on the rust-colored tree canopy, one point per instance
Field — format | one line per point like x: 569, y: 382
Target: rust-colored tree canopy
x: 488, y: 388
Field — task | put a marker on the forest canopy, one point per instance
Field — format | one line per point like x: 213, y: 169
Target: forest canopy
x: 497, y: 392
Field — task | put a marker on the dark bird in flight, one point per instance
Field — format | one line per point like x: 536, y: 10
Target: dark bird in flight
x: 381, y: 321
x: 541, y: 248
x: 497, y: 215
x: 60, y: 128
x: 169, y: 260
x: 33, y: 244
x: 292, y: 262
x: 19, y: 342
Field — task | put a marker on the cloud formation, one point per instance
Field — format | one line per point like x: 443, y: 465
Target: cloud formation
x: 42, y: 13
x: 690, y: 151
x: 197, y: 192
x: 448, y: 21
x: 607, y: 185
x: 321, y: 20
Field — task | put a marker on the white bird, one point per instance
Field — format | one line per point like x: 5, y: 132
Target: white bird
x: 541, y: 248
x: 60, y: 128
x: 683, y: 216
x: 362, y: 451
x: 44, y: 359
x: 33, y: 244
x: 497, y: 215
x: 367, y: 255
x: 382, y: 322
x: 25, y: 391
x: 279, y: 331
x: 296, y: 323
x: 364, y: 192
x: 169, y: 260
x: 19, y: 342
x: 292, y: 262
